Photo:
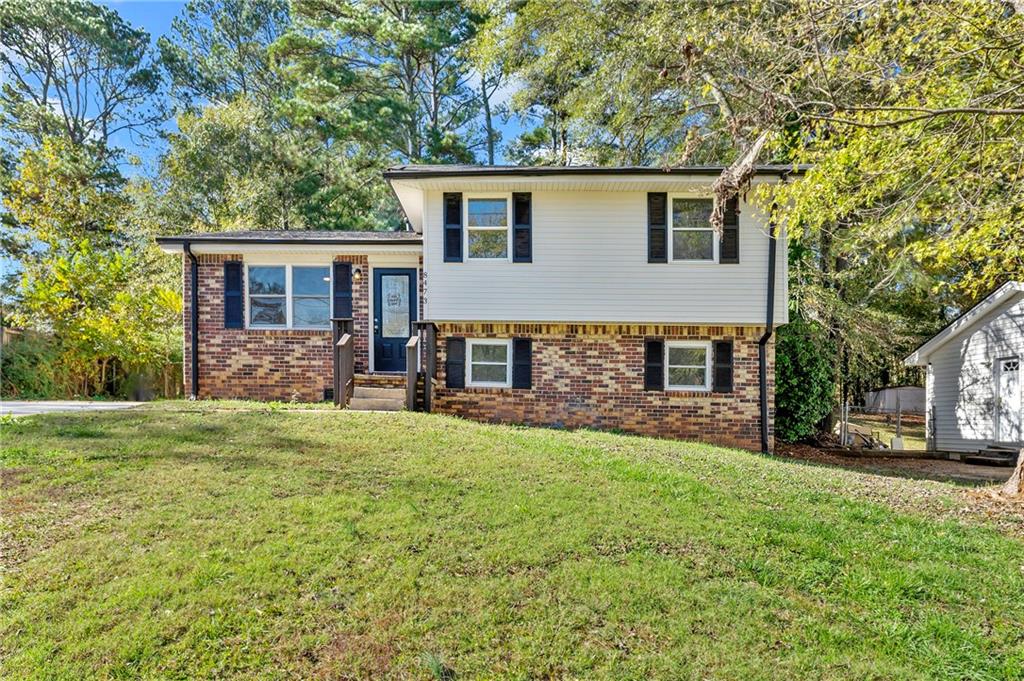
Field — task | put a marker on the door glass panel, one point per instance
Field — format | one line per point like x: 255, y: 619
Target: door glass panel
x: 394, y: 305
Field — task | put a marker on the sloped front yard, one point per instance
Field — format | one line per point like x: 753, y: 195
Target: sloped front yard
x: 221, y: 541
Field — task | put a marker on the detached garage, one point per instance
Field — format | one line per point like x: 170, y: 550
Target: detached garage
x: 973, y: 390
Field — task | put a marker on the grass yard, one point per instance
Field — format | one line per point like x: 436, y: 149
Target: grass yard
x: 221, y: 540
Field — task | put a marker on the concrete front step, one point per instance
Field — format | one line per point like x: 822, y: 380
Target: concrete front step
x: 374, y: 391
x: 376, y: 404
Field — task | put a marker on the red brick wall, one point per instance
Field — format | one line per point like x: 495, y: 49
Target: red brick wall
x: 264, y: 364
x: 592, y: 375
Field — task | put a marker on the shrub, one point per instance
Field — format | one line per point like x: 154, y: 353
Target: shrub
x: 31, y: 368
x: 804, y: 379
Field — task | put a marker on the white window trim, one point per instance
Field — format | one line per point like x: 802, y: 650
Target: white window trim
x: 470, y: 343
x: 707, y: 365
x: 671, y: 230
x: 507, y: 196
x: 288, y: 298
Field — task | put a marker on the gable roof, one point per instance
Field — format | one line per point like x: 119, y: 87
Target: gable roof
x: 992, y: 303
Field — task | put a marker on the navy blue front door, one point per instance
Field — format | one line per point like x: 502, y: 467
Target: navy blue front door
x: 394, y: 311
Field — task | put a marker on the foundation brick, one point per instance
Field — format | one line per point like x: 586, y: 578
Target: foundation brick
x: 592, y: 375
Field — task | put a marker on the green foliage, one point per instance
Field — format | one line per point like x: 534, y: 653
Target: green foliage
x: 76, y: 69
x: 250, y: 152
x: 30, y: 368
x: 804, y: 379
x: 217, y: 51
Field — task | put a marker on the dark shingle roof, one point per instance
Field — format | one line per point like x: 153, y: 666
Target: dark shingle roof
x: 425, y: 171
x: 294, y: 236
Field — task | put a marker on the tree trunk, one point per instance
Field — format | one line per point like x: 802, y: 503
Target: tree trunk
x: 1015, y: 485
x: 488, y: 123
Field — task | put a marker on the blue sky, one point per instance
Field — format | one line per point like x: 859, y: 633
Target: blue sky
x: 155, y: 17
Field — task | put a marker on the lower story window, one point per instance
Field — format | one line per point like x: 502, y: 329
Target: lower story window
x: 290, y: 296
x: 489, y: 363
x: 688, y: 365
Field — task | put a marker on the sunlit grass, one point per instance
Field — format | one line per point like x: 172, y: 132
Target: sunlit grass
x: 228, y: 540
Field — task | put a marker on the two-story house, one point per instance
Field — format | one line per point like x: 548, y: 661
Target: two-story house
x: 567, y: 297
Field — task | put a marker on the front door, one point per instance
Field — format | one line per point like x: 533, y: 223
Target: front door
x: 394, y: 311
x: 1008, y: 403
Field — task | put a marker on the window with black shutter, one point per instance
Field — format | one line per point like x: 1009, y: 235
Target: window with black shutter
x: 654, y: 364
x: 233, y: 295
x: 453, y: 227
x: 522, y: 363
x: 729, y: 248
x: 657, y: 227
x: 455, y: 363
x: 522, y: 228
x: 722, y: 367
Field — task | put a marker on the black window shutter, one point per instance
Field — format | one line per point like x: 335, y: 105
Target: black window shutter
x: 729, y: 248
x: 522, y: 228
x: 453, y: 227
x: 722, y: 367
x: 342, y: 289
x: 522, y: 363
x: 657, y: 227
x: 654, y: 364
x: 233, y: 295
x: 455, y: 363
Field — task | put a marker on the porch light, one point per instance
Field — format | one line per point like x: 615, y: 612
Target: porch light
x: 357, y: 274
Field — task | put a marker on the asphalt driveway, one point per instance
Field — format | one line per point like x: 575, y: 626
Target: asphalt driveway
x: 26, y: 408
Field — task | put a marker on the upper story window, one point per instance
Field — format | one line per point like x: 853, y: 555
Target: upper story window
x: 487, y: 227
x: 287, y: 296
x: 693, y: 238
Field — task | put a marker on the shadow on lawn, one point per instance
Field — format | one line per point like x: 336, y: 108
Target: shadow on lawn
x: 954, y: 472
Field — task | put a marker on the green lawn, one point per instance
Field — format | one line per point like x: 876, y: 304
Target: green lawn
x: 184, y: 541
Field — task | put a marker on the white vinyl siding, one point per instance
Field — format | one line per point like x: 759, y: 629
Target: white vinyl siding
x: 590, y: 265
x: 961, y: 386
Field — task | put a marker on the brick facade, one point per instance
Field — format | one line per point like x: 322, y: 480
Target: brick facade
x: 584, y: 375
x: 264, y: 364
x: 592, y: 375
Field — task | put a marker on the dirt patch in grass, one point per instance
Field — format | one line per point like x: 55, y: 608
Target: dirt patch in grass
x: 372, y: 651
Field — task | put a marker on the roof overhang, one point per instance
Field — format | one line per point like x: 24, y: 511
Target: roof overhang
x: 229, y: 245
x: 1004, y: 296
x: 410, y: 183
